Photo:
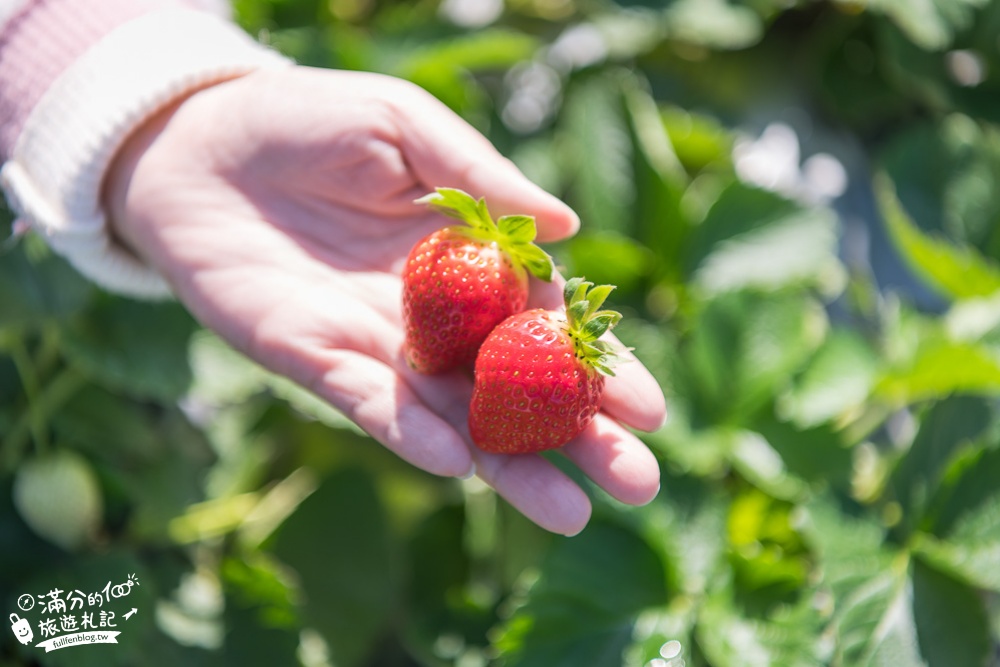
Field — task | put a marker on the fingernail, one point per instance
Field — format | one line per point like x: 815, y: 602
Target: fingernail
x: 469, y: 474
x: 663, y: 422
x: 653, y: 497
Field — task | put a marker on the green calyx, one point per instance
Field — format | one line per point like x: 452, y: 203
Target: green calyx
x: 513, y: 233
x: 587, y: 323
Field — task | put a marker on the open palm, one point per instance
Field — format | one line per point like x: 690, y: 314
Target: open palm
x: 280, y: 207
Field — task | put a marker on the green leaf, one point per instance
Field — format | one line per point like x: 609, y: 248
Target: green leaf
x: 140, y: 348
x: 700, y: 451
x: 686, y: 523
x: 162, y: 487
x: 950, y: 620
x: 729, y: 638
x: 490, y: 49
x: 608, y: 257
x: 260, y: 615
x: 717, y: 24
x: 700, y: 141
x: 744, y: 346
x: 940, y: 84
x: 930, y: 24
x: 956, y: 199
x: 577, y: 310
x: 597, y: 295
x: 660, y: 182
x: 599, y: 325
x: 751, y: 238
x: 754, y: 458
x: 769, y: 560
x: 941, y: 368
x: 338, y: 543
x: 582, y: 608
x: 955, y: 271
x: 34, y: 291
x: 966, y: 534
x: 222, y: 376
x: 518, y: 228
x: 440, y: 568
x: 601, y: 188
x: 835, y: 384
x: 444, y: 66
x: 871, y: 622
x: 108, y: 428
x: 947, y: 428
x: 816, y: 455
x: 457, y: 204
x: 536, y: 260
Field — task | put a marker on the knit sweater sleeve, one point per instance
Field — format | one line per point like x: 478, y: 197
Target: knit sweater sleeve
x: 77, y: 77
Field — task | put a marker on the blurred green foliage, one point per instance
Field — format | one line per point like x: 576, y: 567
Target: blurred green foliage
x: 797, y: 201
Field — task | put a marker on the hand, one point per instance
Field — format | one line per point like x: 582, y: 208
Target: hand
x: 280, y: 207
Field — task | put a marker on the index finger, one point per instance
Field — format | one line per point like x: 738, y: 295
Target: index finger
x: 445, y: 151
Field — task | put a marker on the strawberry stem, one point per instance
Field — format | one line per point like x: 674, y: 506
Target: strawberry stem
x: 587, y: 323
x: 515, y: 234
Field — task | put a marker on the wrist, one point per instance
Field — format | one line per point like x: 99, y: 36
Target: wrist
x: 105, y: 99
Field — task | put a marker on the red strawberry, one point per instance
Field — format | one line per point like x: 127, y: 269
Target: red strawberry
x: 463, y: 280
x: 540, y: 374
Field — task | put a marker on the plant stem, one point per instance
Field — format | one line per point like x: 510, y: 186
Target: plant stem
x: 55, y: 394
x: 29, y: 380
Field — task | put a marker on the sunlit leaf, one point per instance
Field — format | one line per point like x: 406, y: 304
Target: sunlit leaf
x: 221, y: 374
x: 610, y: 258
x: 941, y: 368
x: 659, y: 176
x: 729, y: 638
x: 745, y: 346
x: 871, y: 620
x: 714, y: 23
x: 837, y: 380
x: 955, y: 271
x: 602, y: 188
x: 752, y: 238
x: 931, y: 24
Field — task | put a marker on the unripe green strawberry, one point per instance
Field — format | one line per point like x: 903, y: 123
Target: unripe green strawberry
x: 463, y: 280
x: 540, y: 374
x: 58, y: 496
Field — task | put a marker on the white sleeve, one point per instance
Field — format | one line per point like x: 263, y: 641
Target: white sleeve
x: 8, y: 8
x: 55, y: 173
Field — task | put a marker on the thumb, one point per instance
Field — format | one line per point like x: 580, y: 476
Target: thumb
x: 445, y: 151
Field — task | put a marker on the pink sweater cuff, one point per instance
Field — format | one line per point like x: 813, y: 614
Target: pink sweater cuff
x: 44, y: 38
x: 62, y: 127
